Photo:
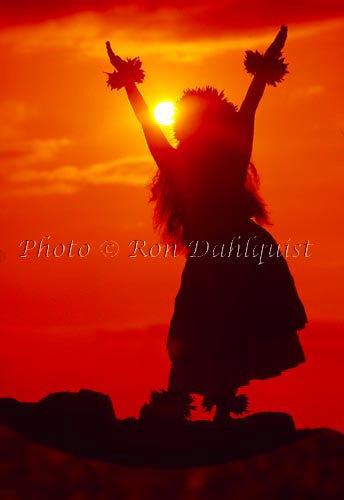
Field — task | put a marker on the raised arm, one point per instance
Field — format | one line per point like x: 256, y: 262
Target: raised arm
x: 268, y: 69
x: 126, y: 74
x: 253, y: 96
x: 161, y: 150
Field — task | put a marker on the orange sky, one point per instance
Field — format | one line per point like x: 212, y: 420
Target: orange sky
x: 74, y: 165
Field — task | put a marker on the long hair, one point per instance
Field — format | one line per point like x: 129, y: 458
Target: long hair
x: 209, y: 110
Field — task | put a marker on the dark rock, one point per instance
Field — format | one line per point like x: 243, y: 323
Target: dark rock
x: 84, y: 423
x: 87, y: 406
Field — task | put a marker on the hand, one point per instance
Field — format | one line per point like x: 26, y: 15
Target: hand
x: 116, y: 61
x: 126, y: 72
x: 277, y: 45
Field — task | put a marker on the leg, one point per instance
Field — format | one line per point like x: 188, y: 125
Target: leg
x: 224, y: 406
x: 229, y: 403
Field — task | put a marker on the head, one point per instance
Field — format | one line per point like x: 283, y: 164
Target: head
x: 204, y: 122
x: 203, y: 112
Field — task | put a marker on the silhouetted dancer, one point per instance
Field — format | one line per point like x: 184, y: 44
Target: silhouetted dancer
x: 236, y: 314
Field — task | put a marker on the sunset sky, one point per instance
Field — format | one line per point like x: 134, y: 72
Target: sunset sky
x: 74, y: 165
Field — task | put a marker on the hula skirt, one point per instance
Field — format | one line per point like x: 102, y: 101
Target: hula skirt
x: 236, y: 316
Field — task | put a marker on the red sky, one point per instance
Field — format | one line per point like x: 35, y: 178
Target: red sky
x: 74, y: 165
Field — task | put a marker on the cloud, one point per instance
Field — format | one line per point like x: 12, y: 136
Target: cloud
x: 133, y: 171
x: 15, y: 152
x: 15, y: 148
x: 38, y: 190
x: 38, y: 150
x: 205, y: 15
x: 13, y: 113
x: 178, y: 35
x: 309, y: 91
x: 315, y: 90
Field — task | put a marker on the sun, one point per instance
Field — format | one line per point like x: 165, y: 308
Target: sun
x: 164, y: 113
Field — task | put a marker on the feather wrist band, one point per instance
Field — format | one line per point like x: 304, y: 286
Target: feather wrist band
x: 273, y: 68
x: 128, y: 72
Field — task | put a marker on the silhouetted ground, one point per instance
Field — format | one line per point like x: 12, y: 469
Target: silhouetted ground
x: 84, y: 423
x: 262, y: 456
